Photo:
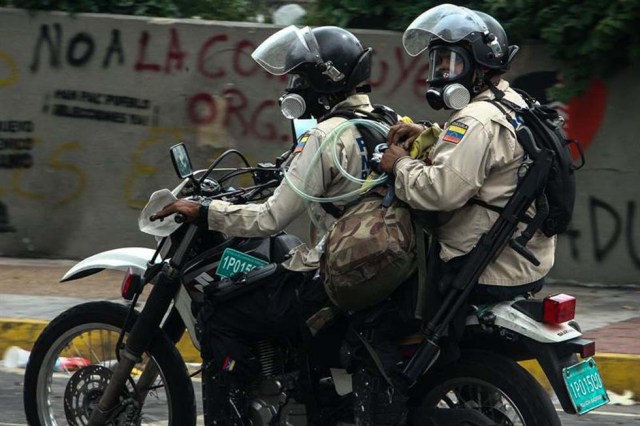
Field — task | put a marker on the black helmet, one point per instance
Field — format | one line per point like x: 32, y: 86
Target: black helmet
x: 449, y: 24
x: 482, y: 47
x: 331, y: 59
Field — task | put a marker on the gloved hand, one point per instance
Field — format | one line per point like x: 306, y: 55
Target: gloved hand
x: 421, y: 145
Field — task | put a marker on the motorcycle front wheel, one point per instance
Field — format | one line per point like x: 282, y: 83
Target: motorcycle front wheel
x: 73, y: 359
x: 491, y: 384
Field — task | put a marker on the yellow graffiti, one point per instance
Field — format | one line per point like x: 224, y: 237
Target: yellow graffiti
x: 16, y: 177
x: 55, y: 163
x: 13, y: 70
x: 140, y: 169
x: 167, y: 137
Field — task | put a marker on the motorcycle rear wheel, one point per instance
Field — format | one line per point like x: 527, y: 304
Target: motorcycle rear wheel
x: 494, y: 385
x: 72, y: 361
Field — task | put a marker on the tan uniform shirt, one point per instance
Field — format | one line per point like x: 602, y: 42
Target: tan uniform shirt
x: 322, y: 180
x: 477, y: 155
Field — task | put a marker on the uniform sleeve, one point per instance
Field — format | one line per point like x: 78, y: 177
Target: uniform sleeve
x: 284, y: 205
x: 460, y: 162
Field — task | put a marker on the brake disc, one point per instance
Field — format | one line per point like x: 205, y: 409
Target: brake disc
x: 83, y: 392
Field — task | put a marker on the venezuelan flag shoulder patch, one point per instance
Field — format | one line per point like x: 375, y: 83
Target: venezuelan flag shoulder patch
x: 301, y: 142
x: 455, y: 132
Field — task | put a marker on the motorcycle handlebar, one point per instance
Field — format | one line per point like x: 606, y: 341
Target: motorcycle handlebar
x: 179, y: 218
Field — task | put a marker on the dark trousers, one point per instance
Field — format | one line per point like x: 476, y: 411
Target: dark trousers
x: 382, y: 326
x: 276, y: 308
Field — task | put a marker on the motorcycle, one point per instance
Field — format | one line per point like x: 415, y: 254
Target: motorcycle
x: 133, y: 373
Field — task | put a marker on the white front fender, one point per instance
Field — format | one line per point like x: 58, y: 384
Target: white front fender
x: 118, y: 259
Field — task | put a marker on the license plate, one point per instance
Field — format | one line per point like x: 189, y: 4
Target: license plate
x: 585, y: 386
x: 234, y: 261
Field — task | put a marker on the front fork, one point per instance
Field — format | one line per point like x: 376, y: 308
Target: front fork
x: 174, y: 328
x: 140, y: 338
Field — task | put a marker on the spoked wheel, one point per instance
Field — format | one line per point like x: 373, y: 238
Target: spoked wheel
x: 499, y: 388
x: 73, y: 360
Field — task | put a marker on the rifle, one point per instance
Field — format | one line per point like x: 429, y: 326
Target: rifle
x: 529, y: 190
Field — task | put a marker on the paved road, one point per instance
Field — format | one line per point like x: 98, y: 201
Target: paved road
x: 612, y: 316
x: 12, y: 414
x: 11, y: 405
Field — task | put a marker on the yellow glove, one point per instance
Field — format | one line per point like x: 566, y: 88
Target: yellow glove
x: 423, y: 143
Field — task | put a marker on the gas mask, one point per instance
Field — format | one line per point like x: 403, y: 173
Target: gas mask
x: 450, y: 79
x: 300, y: 101
x: 452, y: 96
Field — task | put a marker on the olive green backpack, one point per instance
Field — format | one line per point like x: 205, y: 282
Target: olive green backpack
x: 369, y: 251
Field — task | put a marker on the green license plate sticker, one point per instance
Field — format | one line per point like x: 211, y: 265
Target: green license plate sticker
x: 585, y: 386
x: 234, y: 261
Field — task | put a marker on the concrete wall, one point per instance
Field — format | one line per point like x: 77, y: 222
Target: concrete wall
x: 89, y: 105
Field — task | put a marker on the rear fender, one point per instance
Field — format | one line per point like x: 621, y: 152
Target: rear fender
x: 553, y: 359
x: 554, y: 346
x: 119, y: 259
x: 507, y: 317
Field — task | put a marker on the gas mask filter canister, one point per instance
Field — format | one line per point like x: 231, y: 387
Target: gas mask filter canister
x: 452, y: 96
x: 292, y: 105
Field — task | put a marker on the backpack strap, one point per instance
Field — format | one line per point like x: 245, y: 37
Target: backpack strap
x: 509, y: 104
x: 332, y: 209
x: 500, y: 99
x: 385, y: 113
x: 387, y: 199
x: 372, y: 138
x: 541, y: 202
x: 380, y: 113
x: 347, y: 114
x: 526, y: 219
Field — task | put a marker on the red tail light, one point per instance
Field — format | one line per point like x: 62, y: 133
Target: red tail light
x: 559, y: 308
x: 130, y: 284
x: 588, y: 350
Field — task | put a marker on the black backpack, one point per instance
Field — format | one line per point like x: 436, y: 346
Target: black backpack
x: 545, y: 125
x: 372, y: 138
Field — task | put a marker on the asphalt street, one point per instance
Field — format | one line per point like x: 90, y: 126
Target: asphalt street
x: 12, y: 413
x: 31, y: 292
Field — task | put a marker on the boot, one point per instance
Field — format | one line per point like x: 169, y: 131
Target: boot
x: 375, y: 402
x: 225, y: 399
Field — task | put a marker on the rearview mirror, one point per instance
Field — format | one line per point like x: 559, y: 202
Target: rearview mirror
x: 181, y: 161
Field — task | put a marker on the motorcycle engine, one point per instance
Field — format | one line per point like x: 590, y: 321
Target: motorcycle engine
x: 270, y: 398
x: 271, y: 392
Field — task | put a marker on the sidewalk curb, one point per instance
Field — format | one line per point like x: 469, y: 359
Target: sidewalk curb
x: 620, y: 372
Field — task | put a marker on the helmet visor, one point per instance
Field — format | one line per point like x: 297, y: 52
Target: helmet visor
x: 446, y: 65
x: 286, y: 49
x: 446, y: 22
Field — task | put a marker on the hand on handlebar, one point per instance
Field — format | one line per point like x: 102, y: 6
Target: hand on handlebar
x: 187, y: 209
